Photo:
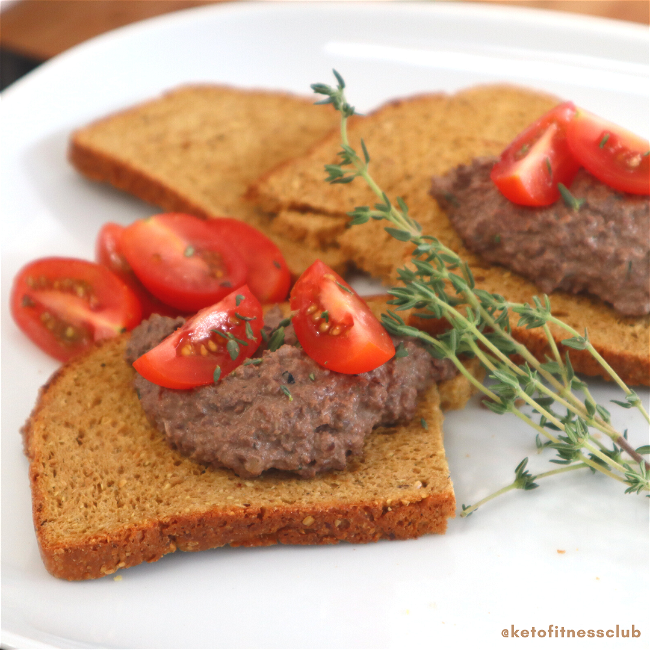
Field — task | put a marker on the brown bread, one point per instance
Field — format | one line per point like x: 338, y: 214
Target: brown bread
x: 197, y: 148
x: 108, y: 492
x: 410, y: 141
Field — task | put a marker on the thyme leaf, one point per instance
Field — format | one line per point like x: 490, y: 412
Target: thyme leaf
x: 568, y: 198
x: 233, y: 349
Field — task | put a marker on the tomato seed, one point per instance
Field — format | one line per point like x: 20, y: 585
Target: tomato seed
x: 323, y: 327
x: 634, y: 161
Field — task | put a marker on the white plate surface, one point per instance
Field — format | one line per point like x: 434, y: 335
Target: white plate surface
x: 500, y: 567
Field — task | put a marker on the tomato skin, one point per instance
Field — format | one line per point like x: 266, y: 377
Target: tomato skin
x: 539, y: 158
x: 166, y: 365
x: 181, y: 260
x: 268, y: 276
x: 89, y: 302
x: 612, y: 154
x: 362, y: 344
x: 108, y: 254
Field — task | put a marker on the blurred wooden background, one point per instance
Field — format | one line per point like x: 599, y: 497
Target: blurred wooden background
x: 32, y: 31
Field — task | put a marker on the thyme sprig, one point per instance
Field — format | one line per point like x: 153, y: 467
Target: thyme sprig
x: 439, y: 284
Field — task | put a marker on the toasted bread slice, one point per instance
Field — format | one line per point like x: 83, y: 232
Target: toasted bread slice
x: 196, y: 149
x: 109, y: 492
x: 410, y: 141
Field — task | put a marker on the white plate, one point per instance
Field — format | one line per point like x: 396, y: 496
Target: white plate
x: 502, y: 566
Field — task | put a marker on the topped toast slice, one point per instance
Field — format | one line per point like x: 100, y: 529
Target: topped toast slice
x: 109, y: 492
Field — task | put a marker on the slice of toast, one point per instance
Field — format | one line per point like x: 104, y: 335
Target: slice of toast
x: 196, y: 149
x: 410, y: 141
x: 109, y: 492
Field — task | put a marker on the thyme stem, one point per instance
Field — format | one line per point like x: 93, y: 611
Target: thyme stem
x: 513, y: 486
x: 482, y: 329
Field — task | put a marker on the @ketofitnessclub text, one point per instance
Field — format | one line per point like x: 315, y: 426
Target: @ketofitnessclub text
x: 560, y: 632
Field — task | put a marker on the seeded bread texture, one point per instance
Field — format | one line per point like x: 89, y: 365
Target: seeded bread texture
x: 197, y: 148
x: 108, y: 492
x: 409, y: 141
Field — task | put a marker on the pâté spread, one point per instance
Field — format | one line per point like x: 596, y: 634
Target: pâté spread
x: 599, y: 245
x: 281, y: 409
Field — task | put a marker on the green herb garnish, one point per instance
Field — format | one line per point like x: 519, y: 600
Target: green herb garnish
x: 441, y: 285
x: 276, y: 339
x: 401, y: 351
x: 568, y: 198
x: 233, y: 349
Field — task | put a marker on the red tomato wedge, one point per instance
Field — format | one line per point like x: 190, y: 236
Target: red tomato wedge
x: 181, y: 260
x: 65, y: 305
x: 539, y: 158
x: 268, y: 276
x: 108, y: 254
x: 335, y: 326
x: 613, y: 155
x: 210, y: 345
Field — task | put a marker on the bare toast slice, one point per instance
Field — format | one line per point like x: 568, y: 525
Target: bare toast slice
x: 197, y: 148
x: 409, y: 141
x: 109, y: 492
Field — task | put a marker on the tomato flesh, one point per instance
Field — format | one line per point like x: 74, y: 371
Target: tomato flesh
x: 335, y: 327
x: 612, y: 154
x: 268, y: 276
x: 108, y: 253
x: 65, y: 305
x: 181, y: 260
x: 190, y: 356
x: 530, y: 168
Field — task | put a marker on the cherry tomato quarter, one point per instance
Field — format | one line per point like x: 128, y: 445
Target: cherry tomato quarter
x: 612, y: 154
x: 268, y: 276
x: 335, y: 327
x: 108, y: 254
x: 65, y: 305
x: 530, y: 168
x: 211, y: 344
x: 181, y: 260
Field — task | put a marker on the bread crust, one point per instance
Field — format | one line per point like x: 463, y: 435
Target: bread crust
x: 100, y: 555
